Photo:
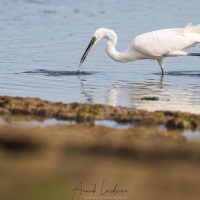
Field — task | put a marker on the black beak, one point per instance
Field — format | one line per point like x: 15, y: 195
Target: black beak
x: 87, y: 50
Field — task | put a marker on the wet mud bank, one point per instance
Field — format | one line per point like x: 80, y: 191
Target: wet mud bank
x: 154, y: 134
x: 88, y: 113
x: 50, y: 161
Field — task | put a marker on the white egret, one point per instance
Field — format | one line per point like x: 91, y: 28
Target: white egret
x: 152, y: 45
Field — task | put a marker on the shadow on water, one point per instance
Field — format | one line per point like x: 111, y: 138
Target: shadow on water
x: 59, y: 73
x: 182, y: 73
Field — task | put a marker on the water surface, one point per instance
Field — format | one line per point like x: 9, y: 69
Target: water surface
x: 42, y: 42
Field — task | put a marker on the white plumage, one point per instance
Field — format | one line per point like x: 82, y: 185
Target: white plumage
x: 152, y: 45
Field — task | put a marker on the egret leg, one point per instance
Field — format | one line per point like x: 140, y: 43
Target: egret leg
x: 193, y: 54
x: 181, y: 53
x: 160, y: 62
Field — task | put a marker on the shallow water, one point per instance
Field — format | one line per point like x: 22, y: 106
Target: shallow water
x: 192, y: 136
x: 113, y: 124
x: 33, y: 123
x: 42, y: 42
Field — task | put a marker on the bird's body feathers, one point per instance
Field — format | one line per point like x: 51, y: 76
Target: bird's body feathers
x: 162, y: 42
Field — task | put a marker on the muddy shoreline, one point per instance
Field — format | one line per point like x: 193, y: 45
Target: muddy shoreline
x: 88, y: 113
x: 52, y: 160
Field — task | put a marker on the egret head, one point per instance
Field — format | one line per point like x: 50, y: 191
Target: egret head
x: 98, y: 35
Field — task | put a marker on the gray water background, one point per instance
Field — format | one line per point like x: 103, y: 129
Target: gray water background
x: 40, y: 40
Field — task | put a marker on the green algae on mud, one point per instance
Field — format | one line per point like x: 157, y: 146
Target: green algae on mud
x: 150, y: 98
x: 88, y: 113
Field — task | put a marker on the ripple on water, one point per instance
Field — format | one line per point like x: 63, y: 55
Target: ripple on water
x: 59, y: 73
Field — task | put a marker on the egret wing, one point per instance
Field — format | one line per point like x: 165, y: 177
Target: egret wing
x: 162, y: 42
